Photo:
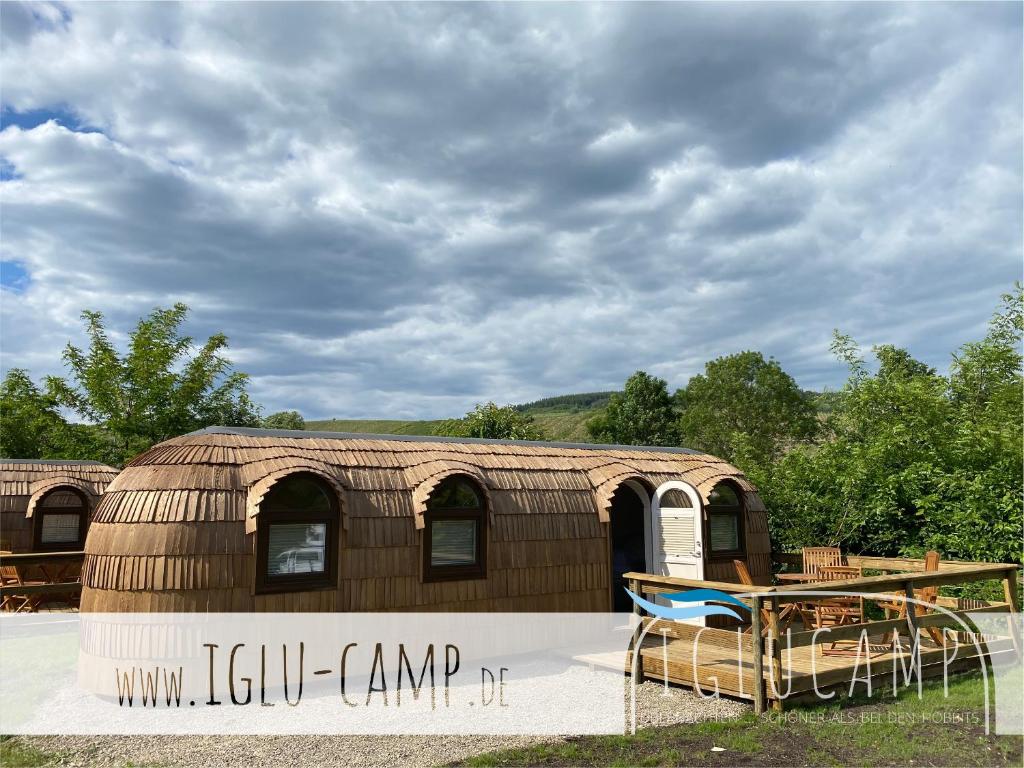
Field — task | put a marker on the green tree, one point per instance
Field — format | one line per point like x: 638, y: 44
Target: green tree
x: 914, y: 460
x: 982, y: 511
x: 744, y: 406
x: 31, y: 426
x: 161, y: 387
x: 641, y: 415
x: 284, y: 420
x: 495, y: 422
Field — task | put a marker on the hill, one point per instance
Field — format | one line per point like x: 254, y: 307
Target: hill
x: 567, y: 403
x: 376, y: 426
x: 567, y: 426
x: 561, y: 418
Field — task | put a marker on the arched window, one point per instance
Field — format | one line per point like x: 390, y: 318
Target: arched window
x: 61, y: 519
x: 675, y: 498
x: 454, y: 543
x: 297, y: 536
x: 725, y: 522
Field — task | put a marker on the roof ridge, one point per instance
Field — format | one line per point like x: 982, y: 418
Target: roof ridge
x: 300, y: 434
x: 57, y: 462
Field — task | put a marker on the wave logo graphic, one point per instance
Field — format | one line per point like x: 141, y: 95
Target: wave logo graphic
x: 706, y: 596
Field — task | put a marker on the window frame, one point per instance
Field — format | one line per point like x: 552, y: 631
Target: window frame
x: 477, y: 570
x: 83, y: 512
x: 738, y: 513
x: 299, y: 582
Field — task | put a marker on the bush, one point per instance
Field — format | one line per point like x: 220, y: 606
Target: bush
x: 913, y: 460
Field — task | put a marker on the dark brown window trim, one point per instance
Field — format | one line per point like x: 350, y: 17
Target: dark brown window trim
x: 40, y: 512
x: 478, y: 570
x: 301, y: 582
x: 740, y: 514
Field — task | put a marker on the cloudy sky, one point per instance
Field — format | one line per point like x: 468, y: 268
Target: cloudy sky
x: 400, y: 210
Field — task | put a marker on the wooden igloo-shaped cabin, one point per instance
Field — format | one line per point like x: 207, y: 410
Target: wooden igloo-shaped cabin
x: 240, y: 520
x: 47, y: 505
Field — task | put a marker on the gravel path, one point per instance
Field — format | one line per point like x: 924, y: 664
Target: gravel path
x: 654, y: 708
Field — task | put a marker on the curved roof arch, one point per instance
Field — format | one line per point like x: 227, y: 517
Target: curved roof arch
x: 41, y: 488
x: 259, y: 489
x: 424, y: 478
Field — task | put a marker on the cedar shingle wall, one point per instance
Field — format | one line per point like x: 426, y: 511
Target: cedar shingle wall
x: 170, y: 532
x: 20, y: 480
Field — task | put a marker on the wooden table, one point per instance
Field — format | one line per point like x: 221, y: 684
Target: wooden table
x: 55, y: 573
x: 794, y: 609
x: 790, y: 611
x: 809, y: 603
x: 797, y: 577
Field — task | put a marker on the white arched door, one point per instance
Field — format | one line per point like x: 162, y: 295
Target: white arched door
x: 677, y: 533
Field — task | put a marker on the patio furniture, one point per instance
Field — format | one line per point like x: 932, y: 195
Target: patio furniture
x: 927, y: 595
x: 816, y: 558
x: 803, y: 609
x: 838, y: 611
x: 743, y: 574
x: 8, y: 578
x: 12, y: 576
x: 787, y: 612
x: 799, y: 578
x: 708, y: 655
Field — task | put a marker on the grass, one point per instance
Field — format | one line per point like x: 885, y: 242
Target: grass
x: 567, y: 426
x: 934, y: 730
x: 14, y: 754
x: 375, y: 426
x: 931, y: 731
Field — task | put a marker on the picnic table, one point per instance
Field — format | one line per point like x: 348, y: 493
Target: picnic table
x: 31, y: 580
x: 797, y: 577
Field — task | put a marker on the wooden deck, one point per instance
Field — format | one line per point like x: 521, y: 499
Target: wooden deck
x: 784, y: 664
x: 725, y: 663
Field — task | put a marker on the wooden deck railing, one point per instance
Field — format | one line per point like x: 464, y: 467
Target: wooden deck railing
x: 37, y: 558
x: 893, y: 586
x: 884, y: 564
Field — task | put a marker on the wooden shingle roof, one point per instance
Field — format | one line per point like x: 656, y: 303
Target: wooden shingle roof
x: 206, y: 470
x: 174, y: 530
x: 23, y: 481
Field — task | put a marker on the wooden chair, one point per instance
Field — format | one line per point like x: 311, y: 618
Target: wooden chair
x: 927, y: 595
x: 816, y: 558
x: 743, y: 574
x: 839, y: 611
x: 11, y: 576
x: 786, y: 614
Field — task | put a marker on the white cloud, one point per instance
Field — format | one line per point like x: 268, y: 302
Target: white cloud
x: 402, y: 210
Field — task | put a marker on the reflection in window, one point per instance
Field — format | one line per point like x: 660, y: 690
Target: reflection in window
x: 723, y: 495
x: 674, y: 498
x: 724, y: 533
x: 453, y: 542
x: 454, y: 494
x: 297, y: 542
x: 725, y: 521
x: 61, y: 521
x: 296, y: 548
x: 59, y: 528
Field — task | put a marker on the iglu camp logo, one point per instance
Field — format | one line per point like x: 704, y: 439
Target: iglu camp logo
x: 704, y: 597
